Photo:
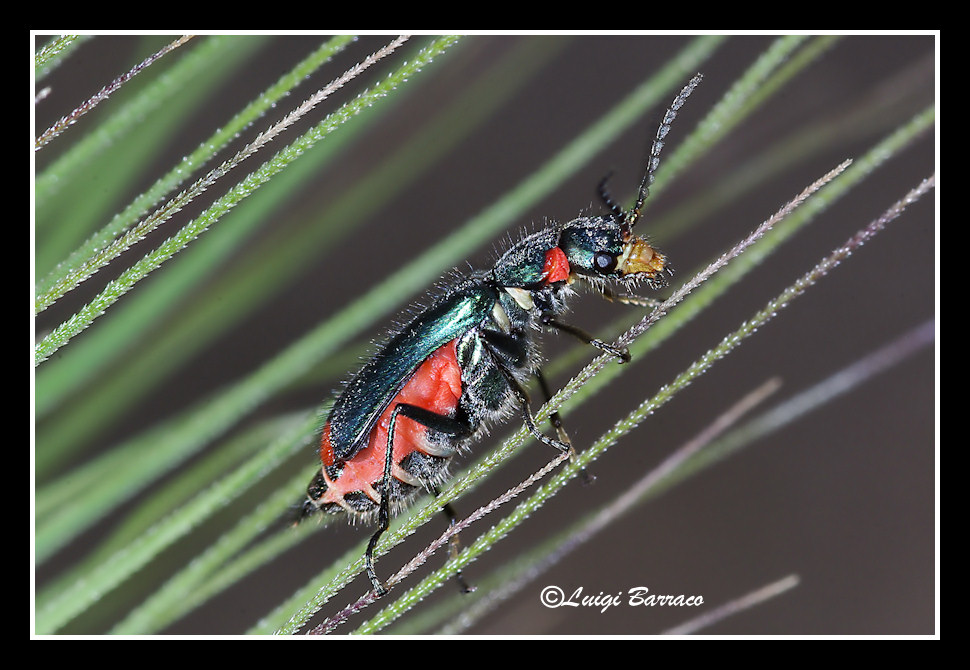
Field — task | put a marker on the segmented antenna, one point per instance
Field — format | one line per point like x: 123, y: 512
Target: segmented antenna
x: 658, y: 144
x: 608, y: 199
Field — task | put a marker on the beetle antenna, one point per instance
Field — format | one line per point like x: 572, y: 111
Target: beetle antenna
x: 608, y: 199
x: 658, y: 144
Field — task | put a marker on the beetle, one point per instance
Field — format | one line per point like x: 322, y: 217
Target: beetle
x: 462, y: 363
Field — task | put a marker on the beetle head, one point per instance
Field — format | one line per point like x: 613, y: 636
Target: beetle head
x: 605, y: 248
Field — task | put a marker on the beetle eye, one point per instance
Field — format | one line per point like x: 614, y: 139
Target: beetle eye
x: 604, y: 262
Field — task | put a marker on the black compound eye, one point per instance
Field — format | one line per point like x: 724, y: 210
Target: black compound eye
x: 604, y: 262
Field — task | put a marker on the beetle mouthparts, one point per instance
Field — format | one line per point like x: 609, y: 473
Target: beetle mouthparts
x: 641, y: 258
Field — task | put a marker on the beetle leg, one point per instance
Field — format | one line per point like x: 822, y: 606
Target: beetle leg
x: 554, y: 418
x: 621, y: 353
x: 454, y: 544
x: 523, y: 399
x: 556, y: 422
x: 432, y: 421
x: 627, y: 299
x: 507, y: 352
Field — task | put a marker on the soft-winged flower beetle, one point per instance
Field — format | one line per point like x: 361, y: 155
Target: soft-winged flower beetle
x: 462, y: 363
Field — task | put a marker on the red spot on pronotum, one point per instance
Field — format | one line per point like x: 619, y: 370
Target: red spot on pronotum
x: 557, y: 266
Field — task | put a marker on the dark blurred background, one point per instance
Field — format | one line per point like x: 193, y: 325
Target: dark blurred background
x: 844, y: 497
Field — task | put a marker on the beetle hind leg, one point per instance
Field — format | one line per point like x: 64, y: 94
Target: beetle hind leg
x: 430, y: 420
x: 454, y: 545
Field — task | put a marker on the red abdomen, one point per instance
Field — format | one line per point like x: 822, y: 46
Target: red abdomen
x: 435, y: 386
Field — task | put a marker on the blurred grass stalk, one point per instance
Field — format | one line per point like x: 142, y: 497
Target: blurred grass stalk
x: 118, y: 478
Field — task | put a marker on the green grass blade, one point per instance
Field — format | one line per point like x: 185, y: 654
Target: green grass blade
x: 51, y: 54
x: 77, y: 191
x: 95, y: 252
x: 84, y: 592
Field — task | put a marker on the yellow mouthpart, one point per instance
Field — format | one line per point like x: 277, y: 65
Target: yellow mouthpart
x: 639, y: 257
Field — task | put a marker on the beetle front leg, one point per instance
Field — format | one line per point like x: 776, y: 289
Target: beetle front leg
x: 620, y: 353
x: 627, y: 299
